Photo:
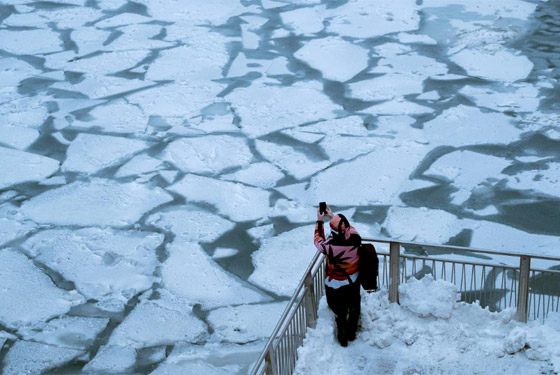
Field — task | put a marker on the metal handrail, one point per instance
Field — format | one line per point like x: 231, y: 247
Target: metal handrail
x: 280, y: 353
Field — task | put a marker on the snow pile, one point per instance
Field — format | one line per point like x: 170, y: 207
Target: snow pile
x: 430, y: 333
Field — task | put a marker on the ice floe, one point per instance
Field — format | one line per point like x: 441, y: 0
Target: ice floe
x: 370, y: 178
x: 67, y: 332
x: 346, y: 148
x: 112, y: 360
x: 138, y: 165
x: 265, y: 109
x: 246, y: 323
x: 320, y: 54
x: 29, y: 294
x: 211, y: 12
x: 12, y: 224
x: 236, y: 201
x: 290, y: 160
x: 281, y: 260
x: 358, y: 19
x: 191, y: 224
x: 540, y: 181
x: 304, y: 21
x: 262, y: 175
x: 13, y: 71
x: 18, y: 167
x: 224, y: 252
x: 409, y: 64
x: 28, y: 357
x: 415, y: 39
x: 501, y: 65
x: 99, y: 87
x: 17, y: 136
x: 386, y: 87
x: 467, y: 170
x: 398, y: 106
x: 98, y: 202
x: 208, y: 154
x: 12, y: 113
x: 191, y: 274
x: 30, y: 42
x: 517, y: 98
x: 103, y: 264
x: 462, y: 125
x: 511, y: 9
x: 89, y: 153
x: 98, y: 64
x: 243, y: 65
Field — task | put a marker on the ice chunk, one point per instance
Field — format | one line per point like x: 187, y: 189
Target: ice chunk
x: 430, y: 95
x: 259, y: 233
x: 29, y: 111
x: 27, y: 357
x: 243, y: 65
x: 501, y: 65
x: 358, y: 19
x: 13, y: 70
x: 67, y: 332
x: 304, y: 21
x: 99, y: 87
x: 415, y: 39
x: 191, y: 224
x: 18, y: 167
x: 139, y: 165
x: 246, y: 323
x: 30, y: 42
x: 122, y: 19
x: 291, y: 161
x: 12, y: 225
x: 265, y: 109
x: 347, y: 148
x: 193, y: 12
x: 443, y: 297
x: 467, y: 169
x: 368, y: 179
x: 209, y: 154
x: 462, y: 125
x: 545, y: 181
x: 223, y: 252
x: 422, y: 225
x: 294, y: 211
x: 191, y: 274
x: 99, y: 64
x: 89, y: 39
x: 398, y: 106
x: 103, y: 264
x: 282, y: 259
x: 98, y: 202
x: 238, y: 202
x: 116, y: 117
x: 518, y: 98
x: 263, y: 175
x: 386, y: 87
x: 409, y: 64
x: 71, y: 17
x: 17, y: 136
x: 335, y: 58
x: 89, y: 153
x: 112, y: 360
x: 29, y: 294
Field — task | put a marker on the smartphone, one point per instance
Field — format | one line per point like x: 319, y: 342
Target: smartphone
x: 323, y: 208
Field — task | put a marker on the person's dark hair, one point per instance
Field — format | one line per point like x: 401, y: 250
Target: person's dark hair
x: 344, y: 221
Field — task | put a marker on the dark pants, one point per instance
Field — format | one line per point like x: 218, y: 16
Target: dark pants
x: 345, y: 303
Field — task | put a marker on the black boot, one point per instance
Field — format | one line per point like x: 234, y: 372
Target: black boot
x: 342, y: 327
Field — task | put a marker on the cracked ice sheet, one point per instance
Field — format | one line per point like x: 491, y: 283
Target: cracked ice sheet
x: 194, y: 12
x: 115, y: 117
x: 177, y: 101
x: 265, y: 109
x: 191, y: 224
x: 100, y: 64
x: 386, y: 87
x: 246, y: 323
x: 335, y: 58
x: 543, y: 181
x: 462, y: 125
x: 139, y: 165
x: 88, y: 153
x: 236, y: 201
x: 191, y: 274
x: 292, y: 162
x: 262, y: 175
x: 102, y: 263
x: 27, y: 357
x: 209, y: 154
x: 67, y: 332
x: 140, y: 37
x: 281, y: 260
x: 518, y: 98
x: 304, y: 21
x: 12, y: 224
x: 369, y: 179
x: 97, y: 202
x: 362, y: 19
x: 112, y: 360
x: 98, y: 87
x: 18, y: 167
x: 164, y: 321
x: 29, y: 296
x: 467, y: 170
x: 30, y: 42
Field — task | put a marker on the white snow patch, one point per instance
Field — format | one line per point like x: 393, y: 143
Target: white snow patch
x: 236, y: 201
x: 98, y: 202
x: 18, y: 167
x: 443, y: 295
x: 191, y: 274
x: 29, y: 295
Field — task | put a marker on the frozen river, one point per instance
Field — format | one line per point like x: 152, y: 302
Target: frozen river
x: 161, y: 161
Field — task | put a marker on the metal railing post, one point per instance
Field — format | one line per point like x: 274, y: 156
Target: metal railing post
x: 309, y: 296
x: 523, y: 296
x: 270, y: 363
x: 394, y: 271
